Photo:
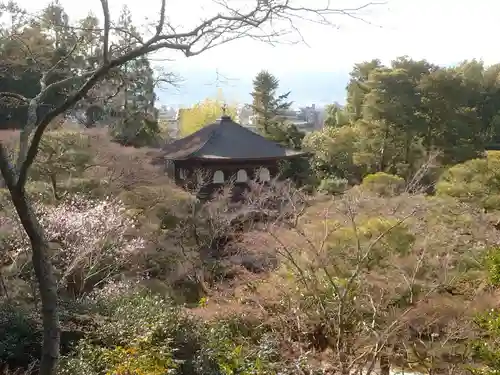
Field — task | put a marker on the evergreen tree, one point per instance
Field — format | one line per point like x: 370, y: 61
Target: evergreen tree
x: 267, y: 106
x: 137, y: 93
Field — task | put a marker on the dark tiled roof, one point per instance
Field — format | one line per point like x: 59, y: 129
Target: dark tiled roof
x: 225, y: 139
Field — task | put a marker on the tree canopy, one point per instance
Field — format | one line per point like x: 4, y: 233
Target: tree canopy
x: 397, y: 116
x: 29, y: 48
x: 205, y: 113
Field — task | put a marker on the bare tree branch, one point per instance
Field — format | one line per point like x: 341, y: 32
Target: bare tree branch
x: 107, y: 21
x: 161, y: 23
x: 13, y: 95
x: 46, y: 75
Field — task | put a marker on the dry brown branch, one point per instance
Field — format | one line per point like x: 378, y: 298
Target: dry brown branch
x: 365, y: 301
x: 415, y: 185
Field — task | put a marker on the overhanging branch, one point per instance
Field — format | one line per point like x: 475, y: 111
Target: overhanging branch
x: 213, y: 31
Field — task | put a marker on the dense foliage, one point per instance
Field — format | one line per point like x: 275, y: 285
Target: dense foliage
x: 399, y: 116
x: 204, y: 113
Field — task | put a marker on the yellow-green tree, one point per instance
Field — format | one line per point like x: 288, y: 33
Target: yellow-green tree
x: 204, y: 113
x: 475, y: 181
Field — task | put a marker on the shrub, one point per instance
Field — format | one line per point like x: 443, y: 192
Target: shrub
x: 359, y: 266
x: 144, y: 333
x: 493, y: 266
x: 90, y: 187
x: 333, y: 185
x: 37, y: 191
x: 395, y: 240
x: 383, y: 184
x: 475, y: 181
x: 131, y: 339
x: 40, y: 191
x: 20, y: 336
x: 486, y: 350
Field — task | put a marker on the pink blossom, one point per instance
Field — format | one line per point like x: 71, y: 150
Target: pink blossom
x: 92, y: 238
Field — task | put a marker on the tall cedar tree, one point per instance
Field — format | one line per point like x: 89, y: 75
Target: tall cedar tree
x: 267, y: 106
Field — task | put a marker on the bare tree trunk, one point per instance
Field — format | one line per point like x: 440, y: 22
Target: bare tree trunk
x: 46, y: 282
x: 26, y: 132
x: 42, y: 265
x: 53, y: 182
x: 4, y: 292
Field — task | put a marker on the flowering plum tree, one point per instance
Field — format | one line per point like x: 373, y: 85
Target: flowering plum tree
x: 93, y: 241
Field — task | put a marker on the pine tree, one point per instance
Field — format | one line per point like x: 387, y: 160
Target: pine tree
x: 267, y: 106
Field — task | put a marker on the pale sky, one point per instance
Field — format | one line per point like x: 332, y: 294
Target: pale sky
x: 442, y: 31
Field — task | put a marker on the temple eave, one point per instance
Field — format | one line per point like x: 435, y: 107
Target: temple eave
x: 239, y: 159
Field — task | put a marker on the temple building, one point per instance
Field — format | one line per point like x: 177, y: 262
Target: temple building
x: 221, y: 153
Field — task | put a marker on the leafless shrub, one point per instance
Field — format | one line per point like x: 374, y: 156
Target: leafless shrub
x: 373, y: 280
x: 122, y: 168
x: 417, y: 184
x: 208, y: 235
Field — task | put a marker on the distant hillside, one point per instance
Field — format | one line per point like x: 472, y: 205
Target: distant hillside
x: 307, y: 88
